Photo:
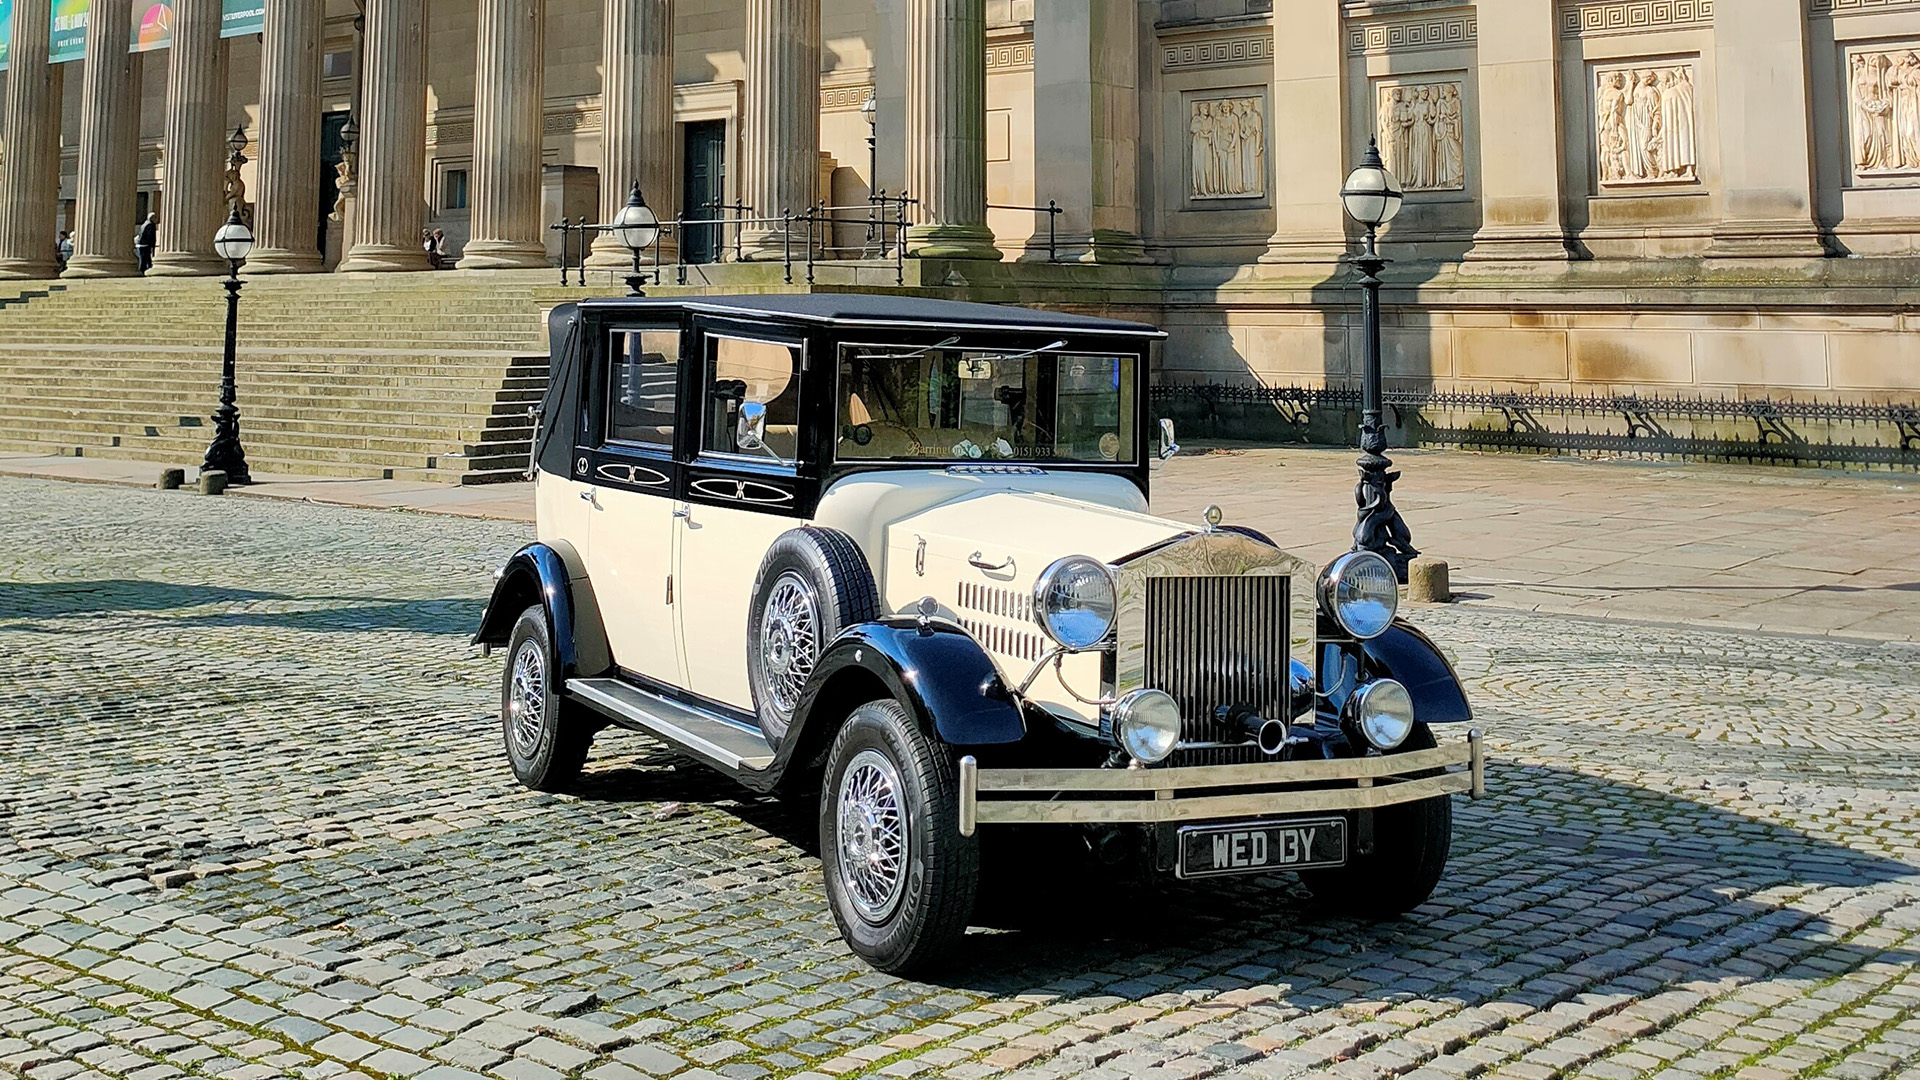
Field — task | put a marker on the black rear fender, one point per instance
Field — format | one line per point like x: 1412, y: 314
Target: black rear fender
x: 537, y: 575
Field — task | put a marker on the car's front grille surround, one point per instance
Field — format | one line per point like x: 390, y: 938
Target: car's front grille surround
x: 1215, y: 641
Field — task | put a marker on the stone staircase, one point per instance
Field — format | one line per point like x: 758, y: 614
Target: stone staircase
x: 425, y: 377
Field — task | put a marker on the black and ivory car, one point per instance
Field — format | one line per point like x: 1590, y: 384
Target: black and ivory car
x: 898, y: 553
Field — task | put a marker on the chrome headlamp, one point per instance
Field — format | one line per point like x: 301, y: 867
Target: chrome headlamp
x: 1361, y: 592
x: 1381, y: 713
x: 1146, y: 724
x: 1074, y: 602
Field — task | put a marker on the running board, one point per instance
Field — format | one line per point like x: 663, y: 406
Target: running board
x: 730, y: 747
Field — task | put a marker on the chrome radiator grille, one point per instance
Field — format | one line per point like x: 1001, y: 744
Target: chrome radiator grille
x: 1214, y: 641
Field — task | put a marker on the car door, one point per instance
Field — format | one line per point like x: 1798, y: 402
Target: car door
x: 738, y: 500
x: 632, y: 535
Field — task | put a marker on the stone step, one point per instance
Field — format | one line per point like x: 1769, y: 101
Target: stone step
x: 397, y: 388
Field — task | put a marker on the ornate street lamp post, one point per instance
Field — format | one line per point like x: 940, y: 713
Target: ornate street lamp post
x: 234, y: 242
x: 870, y: 112
x: 1372, y: 197
x: 638, y: 227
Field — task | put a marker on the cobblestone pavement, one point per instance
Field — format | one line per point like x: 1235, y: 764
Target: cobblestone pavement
x: 256, y: 824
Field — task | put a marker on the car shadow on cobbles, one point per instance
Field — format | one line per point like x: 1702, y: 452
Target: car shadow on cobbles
x: 47, y: 605
x: 1587, y: 875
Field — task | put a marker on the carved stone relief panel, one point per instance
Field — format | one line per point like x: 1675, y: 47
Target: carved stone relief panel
x: 1422, y: 132
x: 1645, y: 124
x: 1883, y: 106
x: 1227, y: 137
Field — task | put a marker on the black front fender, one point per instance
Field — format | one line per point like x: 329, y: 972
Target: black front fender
x: 1408, y: 656
x: 536, y: 574
x: 939, y: 672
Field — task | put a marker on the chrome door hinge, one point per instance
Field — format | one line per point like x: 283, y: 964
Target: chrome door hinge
x: 669, y: 588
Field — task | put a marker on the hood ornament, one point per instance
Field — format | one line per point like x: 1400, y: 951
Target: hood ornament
x: 1213, y: 516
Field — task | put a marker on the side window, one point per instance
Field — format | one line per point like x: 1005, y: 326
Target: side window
x: 643, y: 394
x: 739, y: 371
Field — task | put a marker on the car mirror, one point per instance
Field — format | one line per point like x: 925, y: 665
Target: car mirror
x: 1169, y: 445
x: 752, y: 432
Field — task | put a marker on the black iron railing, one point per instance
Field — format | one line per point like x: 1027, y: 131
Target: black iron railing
x: 1053, y: 212
x: 1641, y: 424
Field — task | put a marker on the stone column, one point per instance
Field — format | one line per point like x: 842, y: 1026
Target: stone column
x: 104, y: 203
x: 1765, y: 121
x: 509, y: 120
x: 194, y: 150
x: 947, y: 129
x: 782, y: 121
x: 636, y: 114
x: 30, y: 169
x: 1086, y: 129
x: 391, y: 207
x: 1521, y: 186
x: 286, y: 221
x: 1307, y: 135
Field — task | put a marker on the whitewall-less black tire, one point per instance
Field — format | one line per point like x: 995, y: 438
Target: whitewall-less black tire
x: 900, y: 878
x: 1411, y: 842
x: 545, y: 734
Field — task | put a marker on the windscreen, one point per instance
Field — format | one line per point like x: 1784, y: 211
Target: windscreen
x: 949, y: 404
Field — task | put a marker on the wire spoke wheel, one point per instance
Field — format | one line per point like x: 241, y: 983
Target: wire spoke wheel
x: 527, y: 700
x: 790, y: 640
x: 871, y: 827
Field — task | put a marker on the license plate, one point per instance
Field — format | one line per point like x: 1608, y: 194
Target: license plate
x: 1261, y: 846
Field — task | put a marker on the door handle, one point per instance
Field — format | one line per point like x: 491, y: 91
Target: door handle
x: 587, y: 496
x: 974, y: 560
x: 684, y: 513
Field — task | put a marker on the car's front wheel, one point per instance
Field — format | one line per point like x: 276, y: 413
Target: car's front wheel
x: 900, y: 878
x: 1411, y: 842
x: 546, y: 737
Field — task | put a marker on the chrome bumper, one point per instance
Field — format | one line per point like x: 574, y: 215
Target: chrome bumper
x: 1145, y: 796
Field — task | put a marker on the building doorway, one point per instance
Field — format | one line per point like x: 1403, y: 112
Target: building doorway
x: 704, y: 189
x: 330, y: 157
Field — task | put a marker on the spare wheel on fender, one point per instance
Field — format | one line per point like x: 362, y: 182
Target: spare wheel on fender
x: 813, y: 584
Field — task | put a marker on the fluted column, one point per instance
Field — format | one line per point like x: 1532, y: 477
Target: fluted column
x: 194, y: 151
x: 30, y: 169
x: 636, y: 113
x: 393, y: 133
x: 508, y: 117
x: 287, y: 212
x: 947, y: 129
x: 782, y: 116
x: 103, y: 205
x: 1307, y: 135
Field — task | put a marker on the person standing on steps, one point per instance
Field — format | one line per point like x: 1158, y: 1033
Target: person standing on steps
x: 144, y: 240
x: 63, y: 249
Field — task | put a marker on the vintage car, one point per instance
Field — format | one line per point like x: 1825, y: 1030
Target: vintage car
x: 898, y: 552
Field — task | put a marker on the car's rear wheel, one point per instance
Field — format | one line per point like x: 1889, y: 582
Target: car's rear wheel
x: 900, y: 878
x: 546, y: 736
x: 1411, y: 842
x: 812, y: 584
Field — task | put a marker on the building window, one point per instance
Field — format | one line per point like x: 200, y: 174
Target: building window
x: 453, y: 190
x: 337, y: 65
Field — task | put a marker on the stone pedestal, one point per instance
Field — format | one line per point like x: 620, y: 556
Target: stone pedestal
x: 1086, y: 128
x: 286, y: 217
x: 636, y: 102
x: 947, y: 129
x: 1521, y: 191
x: 1768, y: 195
x: 508, y: 119
x: 1307, y: 141
x: 391, y: 210
x: 109, y: 151
x: 782, y: 119
x: 30, y: 170
x: 194, y: 151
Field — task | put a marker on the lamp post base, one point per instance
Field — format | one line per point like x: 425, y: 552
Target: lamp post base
x: 1381, y: 529
x: 225, y: 454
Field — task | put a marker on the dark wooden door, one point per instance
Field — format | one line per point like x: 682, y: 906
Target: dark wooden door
x: 704, y: 189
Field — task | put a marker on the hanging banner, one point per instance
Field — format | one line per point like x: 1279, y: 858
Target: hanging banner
x: 69, y: 41
x: 6, y: 32
x: 152, y: 26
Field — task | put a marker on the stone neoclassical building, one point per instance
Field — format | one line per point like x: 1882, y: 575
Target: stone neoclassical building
x: 1604, y: 196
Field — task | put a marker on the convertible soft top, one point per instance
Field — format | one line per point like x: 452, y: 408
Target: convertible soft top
x: 869, y: 309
